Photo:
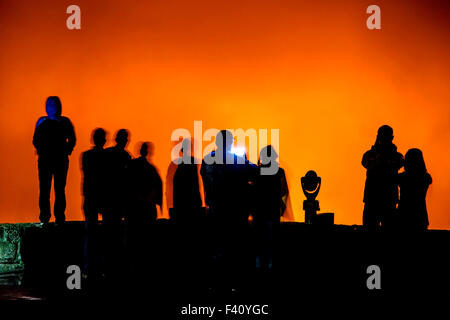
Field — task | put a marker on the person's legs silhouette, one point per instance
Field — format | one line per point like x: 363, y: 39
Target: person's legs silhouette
x: 60, y: 176
x: 45, y: 185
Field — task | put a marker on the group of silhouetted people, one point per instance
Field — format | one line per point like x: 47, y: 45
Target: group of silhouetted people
x: 384, y: 208
x: 234, y: 190
x: 219, y: 195
x: 119, y: 188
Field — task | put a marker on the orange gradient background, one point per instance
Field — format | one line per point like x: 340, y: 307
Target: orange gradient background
x: 312, y: 70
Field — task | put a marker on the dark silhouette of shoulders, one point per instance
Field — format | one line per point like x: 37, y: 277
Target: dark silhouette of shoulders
x: 118, y: 157
x: 379, y: 158
x: 54, y: 136
x: 186, y: 187
x: 145, y: 181
x: 93, y: 167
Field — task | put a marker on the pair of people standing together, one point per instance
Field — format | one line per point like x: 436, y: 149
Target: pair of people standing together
x: 384, y: 208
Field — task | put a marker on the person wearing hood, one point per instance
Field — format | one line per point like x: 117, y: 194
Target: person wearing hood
x: 54, y: 140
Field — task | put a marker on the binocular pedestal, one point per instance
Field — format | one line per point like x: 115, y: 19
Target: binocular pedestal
x: 311, y: 207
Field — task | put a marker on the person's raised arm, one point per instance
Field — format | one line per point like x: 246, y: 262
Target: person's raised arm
x: 368, y: 160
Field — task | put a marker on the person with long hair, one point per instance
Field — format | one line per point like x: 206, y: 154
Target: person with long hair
x: 414, y: 183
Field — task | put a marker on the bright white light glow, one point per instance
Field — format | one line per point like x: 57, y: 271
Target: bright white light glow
x: 239, y: 151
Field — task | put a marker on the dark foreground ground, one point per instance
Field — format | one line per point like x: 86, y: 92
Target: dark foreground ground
x: 315, y: 269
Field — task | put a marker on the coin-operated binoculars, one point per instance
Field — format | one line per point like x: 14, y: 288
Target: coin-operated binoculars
x: 311, y: 185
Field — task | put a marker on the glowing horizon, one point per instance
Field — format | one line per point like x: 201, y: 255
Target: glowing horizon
x: 313, y: 71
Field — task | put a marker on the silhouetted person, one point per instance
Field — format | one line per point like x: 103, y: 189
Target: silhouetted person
x: 414, y: 183
x: 187, y: 202
x: 187, y: 215
x: 382, y: 162
x: 117, y: 161
x: 116, y: 198
x: 226, y: 179
x: 271, y: 197
x: 93, y: 164
x: 54, y: 140
x: 145, y: 187
x: 145, y: 202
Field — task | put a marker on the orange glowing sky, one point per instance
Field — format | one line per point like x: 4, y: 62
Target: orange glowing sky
x: 312, y: 70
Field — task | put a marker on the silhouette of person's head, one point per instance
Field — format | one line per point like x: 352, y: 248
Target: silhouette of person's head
x: 53, y: 107
x: 146, y: 149
x: 122, y: 138
x: 99, y: 137
x: 385, y: 135
x: 224, y: 140
x: 414, y: 162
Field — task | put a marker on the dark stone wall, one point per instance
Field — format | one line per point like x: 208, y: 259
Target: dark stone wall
x: 310, y: 261
x: 11, y: 241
